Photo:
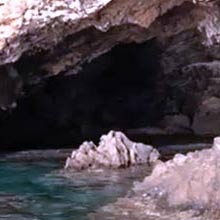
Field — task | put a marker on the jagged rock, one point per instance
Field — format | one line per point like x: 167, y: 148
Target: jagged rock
x: 115, y: 150
x: 196, y: 94
x: 30, y: 27
x: 190, y: 180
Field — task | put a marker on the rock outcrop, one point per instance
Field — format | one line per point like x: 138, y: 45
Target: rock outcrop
x: 190, y: 180
x: 185, y: 187
x: 115, y: 150
x: 36, y: 27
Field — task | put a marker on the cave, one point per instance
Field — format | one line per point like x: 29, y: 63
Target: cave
x: 153, y: 75
x: 147, y: 89
x: 157, y: 85
x: 97, y: 94
x: 117, y: 90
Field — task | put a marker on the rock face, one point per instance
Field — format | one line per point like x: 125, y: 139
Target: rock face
x: 30, y: 27
x: 115, y: 150
x: 52, y: 21
x: 51, y: 43
x: 201, y: 101
x: 190, y: 181
x: 185, y: 187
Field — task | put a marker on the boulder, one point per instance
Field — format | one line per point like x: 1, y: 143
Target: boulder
x: 115, y: 150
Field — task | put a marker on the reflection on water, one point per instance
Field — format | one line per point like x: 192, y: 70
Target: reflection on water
x: 39, y: 190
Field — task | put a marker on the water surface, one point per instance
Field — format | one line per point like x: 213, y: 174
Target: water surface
x: 33, y: 185
x: 40, y: 190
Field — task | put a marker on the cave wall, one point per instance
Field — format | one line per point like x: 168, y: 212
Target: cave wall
x: 42, y: 24
x: 60, y: 48
x: 111, y: 92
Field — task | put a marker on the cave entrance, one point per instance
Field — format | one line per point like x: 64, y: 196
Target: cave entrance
x: 118, y: 90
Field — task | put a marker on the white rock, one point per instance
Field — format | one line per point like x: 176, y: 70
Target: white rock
x: 115, y: 150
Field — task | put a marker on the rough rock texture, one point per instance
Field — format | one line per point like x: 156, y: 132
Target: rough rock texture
x: 200, y: 84
x: 185, y: 188
x: 47, y: 41
x: 115, y: 150
x: 43, y: 24
x: 34, y: 26
x: 191, y: 180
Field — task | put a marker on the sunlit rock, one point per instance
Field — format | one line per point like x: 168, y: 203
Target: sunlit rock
x: 190, y: 180
x: 47, y: 23
x: 115, y: 150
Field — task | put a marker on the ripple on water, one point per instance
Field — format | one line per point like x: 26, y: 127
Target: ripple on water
x: 39, y: 190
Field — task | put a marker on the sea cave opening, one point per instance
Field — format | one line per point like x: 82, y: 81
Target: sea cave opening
x: 122, y: 89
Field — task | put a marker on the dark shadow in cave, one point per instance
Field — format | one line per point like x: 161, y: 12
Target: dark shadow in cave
x: 118, y: 90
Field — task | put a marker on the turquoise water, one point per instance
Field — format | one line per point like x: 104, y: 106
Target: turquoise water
x: 40, y: 190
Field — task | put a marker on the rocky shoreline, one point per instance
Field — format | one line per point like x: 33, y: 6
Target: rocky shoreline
x: 187, y: 184
x: 184, y: 187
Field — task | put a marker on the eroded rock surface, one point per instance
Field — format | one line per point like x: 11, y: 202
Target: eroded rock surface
x: 190, y: 180
x: 185, y: 188
x: 73, y: 32
x: 43, y: 24
x: 53, y: 42
x: 115, y: 150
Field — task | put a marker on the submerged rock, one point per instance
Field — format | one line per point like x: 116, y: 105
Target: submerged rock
x: 190, y: 180
x: 115, y: 150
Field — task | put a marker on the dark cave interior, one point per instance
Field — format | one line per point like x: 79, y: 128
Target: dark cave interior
x: 118, y: 90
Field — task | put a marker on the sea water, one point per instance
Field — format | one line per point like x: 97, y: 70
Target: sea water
x: 41, y: 190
